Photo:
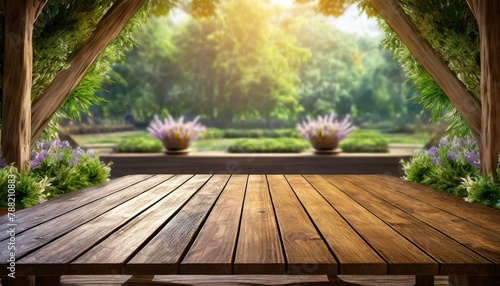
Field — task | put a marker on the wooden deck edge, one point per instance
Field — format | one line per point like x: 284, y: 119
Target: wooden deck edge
x: 159, y: 163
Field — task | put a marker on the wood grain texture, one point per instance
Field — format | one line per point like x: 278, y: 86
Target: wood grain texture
x: 163, y: 253
x: 104, y: 257
x: 56, y: 93
x: 354, y: 255
x: 467, y: 105
x: 55, y: 256
x: 213, y: 250
x: 453, y: 257
x: 484, y: 217
x: 259, y: 249
x: 33, y: 216
x: 42, y: 234
x: 403, y: 256
x: 486, y: 12
x: 305, y: 250
x: 481, y: 240
x: 17, y: 81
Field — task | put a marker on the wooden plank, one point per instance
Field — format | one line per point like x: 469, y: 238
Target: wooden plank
x: 482, y: 241
x: 402, y: 256
x: 354, y: 255
x: 104, y: 259
x: 213, y: 249
x: 259, y: 249
x: 17, y: 82
x: 30, y: 217
x: 43, y: 234
x: 453, y: 257
x: 163, y: 253
x: 305, y: 250
x: 485, y: 217
x: 467, y: 105
x: 55, y: 257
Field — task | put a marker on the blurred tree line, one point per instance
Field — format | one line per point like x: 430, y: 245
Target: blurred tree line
x: 251, y: 61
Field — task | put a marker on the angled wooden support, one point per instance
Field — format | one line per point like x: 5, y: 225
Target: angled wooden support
x: 467, y: 105
x: 56, y: 93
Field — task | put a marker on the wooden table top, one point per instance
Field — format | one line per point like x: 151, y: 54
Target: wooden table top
x: 255, y: 224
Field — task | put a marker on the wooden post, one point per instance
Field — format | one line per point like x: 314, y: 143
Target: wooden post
x: 486, y: 13
x: 467, y: 105
x: 18, y: 66
x: 56, y: 93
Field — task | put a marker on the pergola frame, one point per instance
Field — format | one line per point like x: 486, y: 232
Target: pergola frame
x: 23, y: 121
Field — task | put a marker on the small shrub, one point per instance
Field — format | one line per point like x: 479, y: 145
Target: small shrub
x: 361, y: 141
x: 212, y: 133
x: 260, y: 133
x: 277, y: 145
x: 453, y: 167
x: 56, y: 168
x: 140, y: 145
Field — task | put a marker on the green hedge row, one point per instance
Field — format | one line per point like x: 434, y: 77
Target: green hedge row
x: 362, y: 141
x: 269, y: 145
x: 214, y: 133
x: 144, y: 144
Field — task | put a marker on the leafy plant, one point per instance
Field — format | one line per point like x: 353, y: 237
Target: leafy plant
x: 361, y: 141
x: 325, y: 132
x: 176, y: 135
x: 56, y: 168
x: 453, y: 167
x: 275, y: 145
x: 140, y: 145
x: 28, y: 191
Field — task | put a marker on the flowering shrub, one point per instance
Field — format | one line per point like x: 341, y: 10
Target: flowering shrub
x: 176, y: 135
x: 453, y: 167
x: 56, y: 168
x: 325, y: 132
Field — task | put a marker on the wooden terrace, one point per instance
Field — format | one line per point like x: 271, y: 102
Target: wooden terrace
x: 145, y: 225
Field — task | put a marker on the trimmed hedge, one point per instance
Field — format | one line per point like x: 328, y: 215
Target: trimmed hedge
x: 273, y: 145
x: 214, y: 133
x: 361, y: 141
x: 140, y: 145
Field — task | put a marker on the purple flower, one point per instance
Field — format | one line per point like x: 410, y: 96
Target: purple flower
x: 436, y: 161
x: 325, y: 127
x: 452, y: 156
x: 187, y: 131
x: 472, y: 158
x: 443, y: 142
x: 433, y: 152
x: 3, y: 163
x: 73, y: 161
x: 38, y: 158
x: 91, y: 153
x: 78, y: 152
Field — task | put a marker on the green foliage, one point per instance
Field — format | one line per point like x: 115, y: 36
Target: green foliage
x: 56, y: 168
x: 145, y: 144
x: 362, y: 141
x: 212, y: 133
x: 275, y: 145
x: 260, y: 133
x: 444, y: 167
x: 451, y: 29
x: 28, y: 190
x: 482, y: 190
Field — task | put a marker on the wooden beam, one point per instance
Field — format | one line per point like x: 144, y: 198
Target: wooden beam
x: 467, y: 105
x: 16, y: 113
x: 38, y: 5
x: 486, y: 13
x: 56, y: 93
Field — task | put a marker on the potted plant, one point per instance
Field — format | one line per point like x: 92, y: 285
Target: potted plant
x: 176, y: 135
x: 325, y: 132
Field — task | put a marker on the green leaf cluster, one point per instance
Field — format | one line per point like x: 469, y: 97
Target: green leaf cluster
x: 269, y: 145
x: 451, y: 30
x: 363, y: 141
x: 144, y: 144
x: 28, y: 189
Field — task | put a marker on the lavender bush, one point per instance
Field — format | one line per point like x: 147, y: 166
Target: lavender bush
x: 56, y: 168
x: 325, y: 132
x: 176, y: 134
x: 453, y: 167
